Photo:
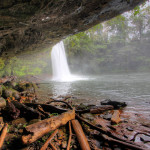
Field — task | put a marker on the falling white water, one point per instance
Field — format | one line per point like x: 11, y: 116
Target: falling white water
x: 60, y: 67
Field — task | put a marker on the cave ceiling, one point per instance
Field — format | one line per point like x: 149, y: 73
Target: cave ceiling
x: 33, y: 25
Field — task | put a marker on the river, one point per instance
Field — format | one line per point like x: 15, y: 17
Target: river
x: 134, y: 89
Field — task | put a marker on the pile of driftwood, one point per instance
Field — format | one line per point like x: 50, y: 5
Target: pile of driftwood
x: 54, y: 115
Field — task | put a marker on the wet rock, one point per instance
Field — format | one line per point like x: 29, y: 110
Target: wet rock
x: 2, y: 102
x: 116, y: 117
x: 2, y: 88
x: 145, y: 138
x: 10, y: 84
x: 88, y: 116
x: 107, y: 116
x: 19, y: 121
x: 23, y: 86
x: 34, y: 121
x: 11, y: 93
x: 115, y: 104
x: 7, y: 93
x: 81, y: 106
x: 144, y: 121
x: 129, y: 129
x: 101, y: 122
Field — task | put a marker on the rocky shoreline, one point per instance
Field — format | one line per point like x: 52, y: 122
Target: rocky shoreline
x: 106, y: 126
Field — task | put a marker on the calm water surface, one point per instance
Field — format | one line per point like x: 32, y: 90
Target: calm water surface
x: 131, y: 88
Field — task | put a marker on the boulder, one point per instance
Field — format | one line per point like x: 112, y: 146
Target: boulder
x: 2, y: 102
x: 8, y: 92
x: 115, y: 104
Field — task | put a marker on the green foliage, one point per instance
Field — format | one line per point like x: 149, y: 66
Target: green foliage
x: 136, y: 10
x: 26, y: 65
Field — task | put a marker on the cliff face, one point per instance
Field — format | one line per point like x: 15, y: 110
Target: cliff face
x: 31, y: 25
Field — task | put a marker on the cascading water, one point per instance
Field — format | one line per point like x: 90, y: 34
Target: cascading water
x: 59, y: 63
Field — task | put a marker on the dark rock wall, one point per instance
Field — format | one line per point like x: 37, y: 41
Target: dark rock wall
x: 31, y: 25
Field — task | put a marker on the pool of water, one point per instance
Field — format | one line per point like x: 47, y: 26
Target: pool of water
x: 131, y: 88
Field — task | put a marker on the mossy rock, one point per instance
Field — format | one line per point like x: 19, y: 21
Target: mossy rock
x: 2, y: 102
x: 10, y: 84
x: 24, y: 87
x: 1, y: 90
x: 34, y: 121
x: 9, y: 92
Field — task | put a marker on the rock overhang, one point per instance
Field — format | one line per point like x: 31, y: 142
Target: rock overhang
x: 32, y: 25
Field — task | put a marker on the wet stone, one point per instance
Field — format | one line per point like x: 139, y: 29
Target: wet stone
x: 19, y: 121
x: 34, y: 121
x: 129, y: 129
x: 144, y: 138
x: 107, y: 116
x: 88, y: 116
x: 2, y: 102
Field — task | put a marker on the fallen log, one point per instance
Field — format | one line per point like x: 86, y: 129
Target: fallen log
x: 80, y: 135
x: 115, y: 104
x: 115, y: 119
x: 50, y: 108
x: 46, y: 107
x: 70, y: 136
x: 44, y: 147
x: 39, y: 129
x: 26, y: 111
x: 3, y: 135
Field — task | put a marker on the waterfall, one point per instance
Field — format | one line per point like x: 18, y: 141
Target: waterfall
x: 60, y: 67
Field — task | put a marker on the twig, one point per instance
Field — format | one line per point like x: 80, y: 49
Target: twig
x: 70, y: 136
x: 42, y: 111
x: 53, y: 147
x: 3, y: 135
x: 133, y: 139
x: 44, y: 147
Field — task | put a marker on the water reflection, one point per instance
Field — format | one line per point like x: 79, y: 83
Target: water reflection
x: 131, y: 88
x: 61, y: 88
